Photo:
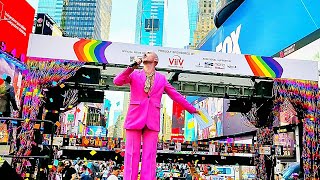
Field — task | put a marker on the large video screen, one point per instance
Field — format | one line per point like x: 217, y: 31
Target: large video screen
x: 286, y: 141
x: 7, y: 69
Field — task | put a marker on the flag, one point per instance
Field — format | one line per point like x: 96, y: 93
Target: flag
x: 203, y: 119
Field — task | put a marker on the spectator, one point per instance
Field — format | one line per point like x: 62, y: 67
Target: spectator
x: 68, y: 171
x: 58, y: 174
x: 85, y: 173
x: 114, y: 174
x: 7, y: 98
x: 11, y: 97
x: 105, y: 173
x: 95, y: 169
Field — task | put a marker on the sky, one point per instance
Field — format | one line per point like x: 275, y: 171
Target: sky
x: 33, y: 3
x: 123, y: 22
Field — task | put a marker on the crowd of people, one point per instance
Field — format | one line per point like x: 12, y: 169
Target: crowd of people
x: 189, y: 171
x: 86, y: 170
x: 109, y: 170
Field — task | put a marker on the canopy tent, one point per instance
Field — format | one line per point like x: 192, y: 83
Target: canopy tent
x: 190, y: 71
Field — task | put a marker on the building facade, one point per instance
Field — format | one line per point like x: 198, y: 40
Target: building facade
x: 51, y: 7
x: 193, y: 19
x: 149, y: 22
x: 87, y: 18
x: 205, y: 22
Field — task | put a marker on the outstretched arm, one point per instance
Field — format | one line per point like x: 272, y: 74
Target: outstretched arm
x: 124, y: 77
x: 177, y: 97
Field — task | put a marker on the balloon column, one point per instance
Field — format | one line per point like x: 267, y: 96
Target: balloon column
x: 40, y: 73
x: 304, y: 96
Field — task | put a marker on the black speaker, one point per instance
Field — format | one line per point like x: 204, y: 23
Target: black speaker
x: 240, y: 105
x: 86, y: 75
x: 90, y: 95
x: 65, y: 142
x: 264, y: 88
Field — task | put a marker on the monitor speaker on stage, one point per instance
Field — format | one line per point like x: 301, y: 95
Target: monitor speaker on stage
x: 90, y: 95
x: 264, y: 89
x: 240, y: 105
x: 87, y: 76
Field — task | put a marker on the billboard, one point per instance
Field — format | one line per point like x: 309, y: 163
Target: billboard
x: 16, y: 25
x: 250, y: 30
x: 214, y: 107
x: 151, y: 25
x: 178, y: 118
x: 8, y: 69
x: 287, y: 141
x: 234, y: 122
x: 44, y: 24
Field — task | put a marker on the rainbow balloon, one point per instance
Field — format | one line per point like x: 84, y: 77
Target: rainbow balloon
x: 88, y: 50
x: 264, y: 66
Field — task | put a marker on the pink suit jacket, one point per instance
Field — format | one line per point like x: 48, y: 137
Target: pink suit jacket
x: 144, y: 109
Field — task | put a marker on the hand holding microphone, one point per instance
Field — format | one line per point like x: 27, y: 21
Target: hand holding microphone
x: 137, y: 62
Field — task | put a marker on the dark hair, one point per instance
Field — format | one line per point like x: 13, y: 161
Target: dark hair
x: 115, y: 168
x: 8, y: 79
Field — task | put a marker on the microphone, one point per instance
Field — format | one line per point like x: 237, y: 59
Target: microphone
x: 135, y: 63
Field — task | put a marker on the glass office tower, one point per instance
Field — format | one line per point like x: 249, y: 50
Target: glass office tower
x: 51, y: 7
x: 193, y: 19
x: 87, y: 18
x: 149, y: 22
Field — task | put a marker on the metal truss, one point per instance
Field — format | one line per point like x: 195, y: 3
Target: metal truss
x: 186, y: 88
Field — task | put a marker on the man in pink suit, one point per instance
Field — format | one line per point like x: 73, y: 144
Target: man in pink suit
x: 143, y: 117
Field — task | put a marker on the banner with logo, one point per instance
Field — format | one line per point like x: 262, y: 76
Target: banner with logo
x: 250, y: 30
x: 170, y: 58
x: 16, y: 25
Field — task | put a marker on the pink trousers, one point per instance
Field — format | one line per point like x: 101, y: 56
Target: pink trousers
x: 132, y: 154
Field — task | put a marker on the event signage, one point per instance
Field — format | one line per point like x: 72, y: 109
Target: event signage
x: 44, y: 24
x: 16, y: 21
x: 192, y: 60
x: 264, y: 27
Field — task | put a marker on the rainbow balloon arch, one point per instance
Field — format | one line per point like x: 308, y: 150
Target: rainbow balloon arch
x: 62, y: 57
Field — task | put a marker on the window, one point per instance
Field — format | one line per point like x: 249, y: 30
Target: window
x: 209, y: 10
x: 210, y: 5
x: 205, y: 11
x: 205, y: 5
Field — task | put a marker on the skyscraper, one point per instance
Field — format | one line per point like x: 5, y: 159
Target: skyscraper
x: 51, y: 7
x: 87, y: 18
x: 193, y: 19
x: 205, y: 22
x: 149, y: 22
